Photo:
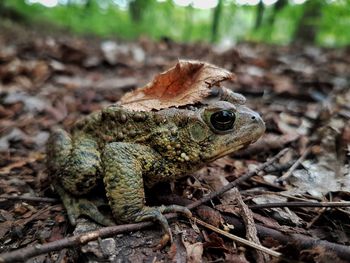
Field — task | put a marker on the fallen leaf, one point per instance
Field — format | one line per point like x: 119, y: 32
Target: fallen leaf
x: 177, y: 251
x: 5, y: 227
x: 237, y: 258
x: 31, y: 103
x: 186, y: 83
x: 215, y: 242
x: 282, y: 84
x: 216, y: 180
x: 210, y: 215
x: 21, y: 162
x: 284, y: 214
x: 194, y: 252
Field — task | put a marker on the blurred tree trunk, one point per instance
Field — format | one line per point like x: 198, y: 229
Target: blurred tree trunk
x: 260, y: 10
x: 308, y: 24
x: 88, y: 4
x: 188, y: 23
x: 277, y: 7
x: 216, y: 20
x: 259, y: 14
x: 137, y: 9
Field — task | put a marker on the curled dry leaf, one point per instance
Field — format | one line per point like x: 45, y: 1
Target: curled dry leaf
x: 194, y: 252
x: 186, y: 83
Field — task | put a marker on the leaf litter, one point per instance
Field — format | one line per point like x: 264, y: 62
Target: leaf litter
x: 302, y: 93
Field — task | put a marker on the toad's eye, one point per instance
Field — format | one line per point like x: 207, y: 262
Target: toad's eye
x: 223, y: 120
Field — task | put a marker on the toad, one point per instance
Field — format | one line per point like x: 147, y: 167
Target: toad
x: 126, y: 150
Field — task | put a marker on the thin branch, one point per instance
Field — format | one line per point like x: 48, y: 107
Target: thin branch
x: 301, y: 204
x: 77, y: 240
x: 237, y: 238
x: 234, y: 183
x: 30, y: 198
x: 298, y: 241
x: 295, y: 165
x: 248, y: 219
x: 318, y: 216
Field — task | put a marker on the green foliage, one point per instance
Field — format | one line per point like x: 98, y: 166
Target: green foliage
x: 335, y: 24
x: 283, y: 28
x: 158, y: 19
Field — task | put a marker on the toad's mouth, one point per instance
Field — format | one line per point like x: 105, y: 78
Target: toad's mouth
x: 227, y: 152
x: 234, y: 148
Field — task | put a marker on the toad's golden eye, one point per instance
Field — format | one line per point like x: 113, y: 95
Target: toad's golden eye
x: 223, y: 120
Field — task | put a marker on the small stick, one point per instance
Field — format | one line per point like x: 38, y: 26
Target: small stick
x: 248, y: 219
x: 30, y: 198
x: 24, y: 254
x: 298, y: 242
x: 344, y: 211
x: 238, y: 239
x: 320, y: 213
x: 285, y: 176
x: 301, y: 204
x: 239, y: 180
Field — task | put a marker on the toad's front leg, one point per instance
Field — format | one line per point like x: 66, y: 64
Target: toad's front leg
x: 123, y: 166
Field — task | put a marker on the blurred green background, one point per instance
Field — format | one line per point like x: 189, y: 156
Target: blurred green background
x: 320, y: 22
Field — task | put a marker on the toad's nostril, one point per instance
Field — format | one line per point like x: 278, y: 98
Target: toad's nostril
x: 253, y: 117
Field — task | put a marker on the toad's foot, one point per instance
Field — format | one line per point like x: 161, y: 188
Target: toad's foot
x: 156, y: 214
x: 81, y: 207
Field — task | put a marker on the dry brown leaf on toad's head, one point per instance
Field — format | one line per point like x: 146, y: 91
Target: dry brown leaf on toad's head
x: 186, y: 83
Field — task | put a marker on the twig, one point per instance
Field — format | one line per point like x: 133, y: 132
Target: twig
x: 285, y: 176
x: 238, y: 239
x: 318, y: 216
x: 344, y: 211
x: 30, y: 198
x: 77, y: 240
x: 242, y: 178
x: 278, y: 167
x: 248, y: 219
x: 301, y: 204
x: 261, y: 181
x: 298, y: 241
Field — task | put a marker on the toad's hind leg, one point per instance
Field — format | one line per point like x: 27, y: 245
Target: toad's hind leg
x: 59, y: 146
x: 76, y: 167
x: 123, y: 165
x: 77, y: 206
x: 75, y: 162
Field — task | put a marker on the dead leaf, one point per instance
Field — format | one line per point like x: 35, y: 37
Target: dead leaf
x: 5, y: 227
x: 31, y: 103
x: 21, y: 162
x: 177, y: 251
x: 237, y: 258
x: 215, y: 242
x: 194, y: 252
x: 216, y: 180
x: 284, y: 214
x: 210, y: 215
x: 282, y: 84
x: 186, y: 83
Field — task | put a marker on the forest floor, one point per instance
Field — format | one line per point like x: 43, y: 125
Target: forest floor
x: 299, y: 205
